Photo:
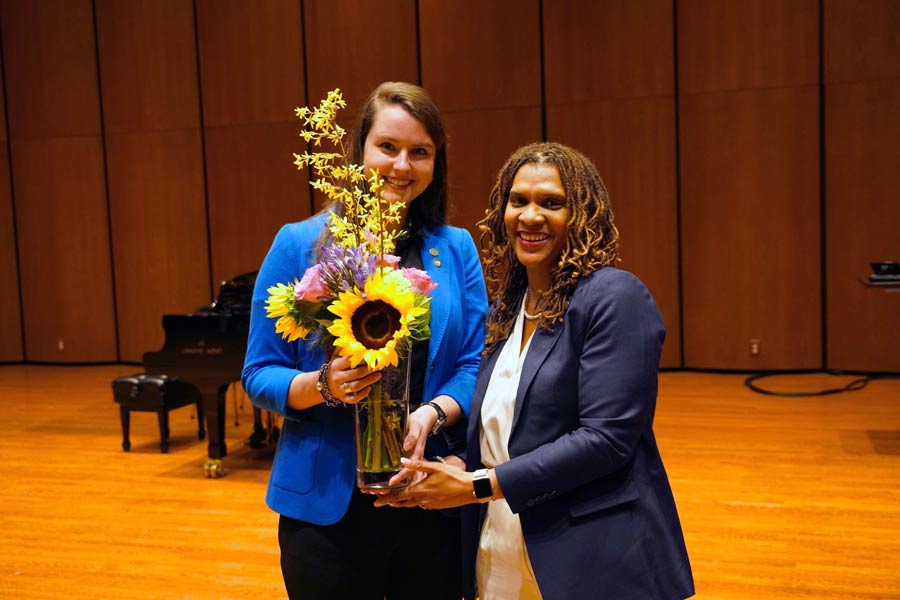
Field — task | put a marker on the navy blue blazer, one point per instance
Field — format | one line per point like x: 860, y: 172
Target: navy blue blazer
x: 585, y: 475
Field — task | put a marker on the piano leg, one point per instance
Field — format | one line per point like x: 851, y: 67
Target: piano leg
x: 214, y: 410
x: 125, y: 416
x: 163, y: 417
x: 201, y: 421
x: 260, y: 437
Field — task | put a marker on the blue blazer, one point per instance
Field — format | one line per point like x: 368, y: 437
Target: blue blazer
x: 314, y: 470
x: 585, y: 475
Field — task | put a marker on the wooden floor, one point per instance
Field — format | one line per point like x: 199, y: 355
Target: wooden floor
x: 780, y: 498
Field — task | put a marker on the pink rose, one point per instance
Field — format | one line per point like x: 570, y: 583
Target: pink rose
x: 389, y: 260
x: 420, y: 280
x: 310, y: 288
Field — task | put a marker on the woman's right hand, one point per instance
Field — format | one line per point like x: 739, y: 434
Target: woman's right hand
x: 350, y: 384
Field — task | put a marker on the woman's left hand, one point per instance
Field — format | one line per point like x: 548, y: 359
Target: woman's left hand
x: 420, y: 424
x: 443, y: 486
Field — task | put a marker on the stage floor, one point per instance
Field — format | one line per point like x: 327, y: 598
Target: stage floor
x: 780, y: 498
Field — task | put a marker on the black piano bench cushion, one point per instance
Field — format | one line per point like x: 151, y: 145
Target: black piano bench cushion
x: 154, y: 393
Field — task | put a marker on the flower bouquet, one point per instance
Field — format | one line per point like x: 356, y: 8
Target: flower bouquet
x: 356, y: 300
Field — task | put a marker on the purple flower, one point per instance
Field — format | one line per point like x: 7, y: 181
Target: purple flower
x: 343, y: 268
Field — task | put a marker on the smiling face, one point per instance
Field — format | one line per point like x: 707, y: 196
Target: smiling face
x: 536, y: 215
x: 400, y: 149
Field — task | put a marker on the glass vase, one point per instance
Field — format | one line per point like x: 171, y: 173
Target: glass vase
x: 381, y: 421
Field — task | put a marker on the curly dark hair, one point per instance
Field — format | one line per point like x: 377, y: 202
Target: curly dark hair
x: 591, y: 238
x: 430, y: 208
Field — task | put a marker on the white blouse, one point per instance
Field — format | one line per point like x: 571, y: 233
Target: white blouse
x: 503, y: 570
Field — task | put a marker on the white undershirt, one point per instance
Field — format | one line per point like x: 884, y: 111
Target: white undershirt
x: 503, y: 569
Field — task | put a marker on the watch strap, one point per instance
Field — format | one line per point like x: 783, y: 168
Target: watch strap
x: 442, y: 416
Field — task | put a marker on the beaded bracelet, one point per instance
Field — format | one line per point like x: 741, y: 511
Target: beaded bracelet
x: 323, y: 387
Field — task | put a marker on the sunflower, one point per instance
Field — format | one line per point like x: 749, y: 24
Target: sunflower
x: 279, y: 304
x: 372, y: 323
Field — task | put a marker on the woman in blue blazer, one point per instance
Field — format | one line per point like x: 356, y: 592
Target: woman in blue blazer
x: 566, y: 491
x: 334, y: 543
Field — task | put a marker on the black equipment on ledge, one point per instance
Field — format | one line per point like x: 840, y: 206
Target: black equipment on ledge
x: 207, y: 349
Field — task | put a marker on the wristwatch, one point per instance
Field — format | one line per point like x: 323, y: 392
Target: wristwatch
x: 481, y: 485
x: 442, y: 416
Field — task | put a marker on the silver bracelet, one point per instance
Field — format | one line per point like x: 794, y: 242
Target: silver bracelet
x: 322, y: 385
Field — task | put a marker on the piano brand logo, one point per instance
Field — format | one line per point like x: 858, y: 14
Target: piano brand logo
x: 212, y: 351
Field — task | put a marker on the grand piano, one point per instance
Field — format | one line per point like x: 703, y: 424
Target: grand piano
x: 207, y: 349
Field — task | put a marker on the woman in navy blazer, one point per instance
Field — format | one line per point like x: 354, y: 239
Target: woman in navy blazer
x: 566, y: 491
x: 334, y: 543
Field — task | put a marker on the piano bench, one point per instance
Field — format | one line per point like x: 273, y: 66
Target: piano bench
x: 154, y: 393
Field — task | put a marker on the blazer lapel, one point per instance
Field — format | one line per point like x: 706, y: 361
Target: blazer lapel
x: 436, y: 262
x: 542, y: 343
x: 481, y: 383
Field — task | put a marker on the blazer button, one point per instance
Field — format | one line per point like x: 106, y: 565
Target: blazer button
x: 437, y: 262
x: 433, y: 251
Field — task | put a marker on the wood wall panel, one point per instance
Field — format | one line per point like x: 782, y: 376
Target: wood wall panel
x: 609, y: 80
x: 251, y: 61
x: 10, y: 308
x: 481, y: 62
x: 3, y: 133
x: 862, y: 124
x: 51, y: 68
x: 480, y: 55
x: 480, y: 142
x: 11, y: 349
x: 734, y: 44
x: 252, y: 76
x: 345, y: 48
x: 602, y: 50
x: 750, y: 236
x: 59, y: 193
x: 254, y: 188
x: 64, y: 253
x: 160, y: 246
x: 151, y: 107
x: 355, y: 46
x: 862, y: 215
x: 749, y: 143
x: 632, y: 144
x: 862, y: 39
x: 148, y: 64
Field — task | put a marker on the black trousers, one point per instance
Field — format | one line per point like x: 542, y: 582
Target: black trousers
x: 372, y: 554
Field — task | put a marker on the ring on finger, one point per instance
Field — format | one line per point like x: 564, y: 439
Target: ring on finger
x: 345, y: 386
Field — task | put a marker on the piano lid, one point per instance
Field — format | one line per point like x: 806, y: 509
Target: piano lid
x: 235, y: 295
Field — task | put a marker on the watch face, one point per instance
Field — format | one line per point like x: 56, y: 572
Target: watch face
x: 481, y: 486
